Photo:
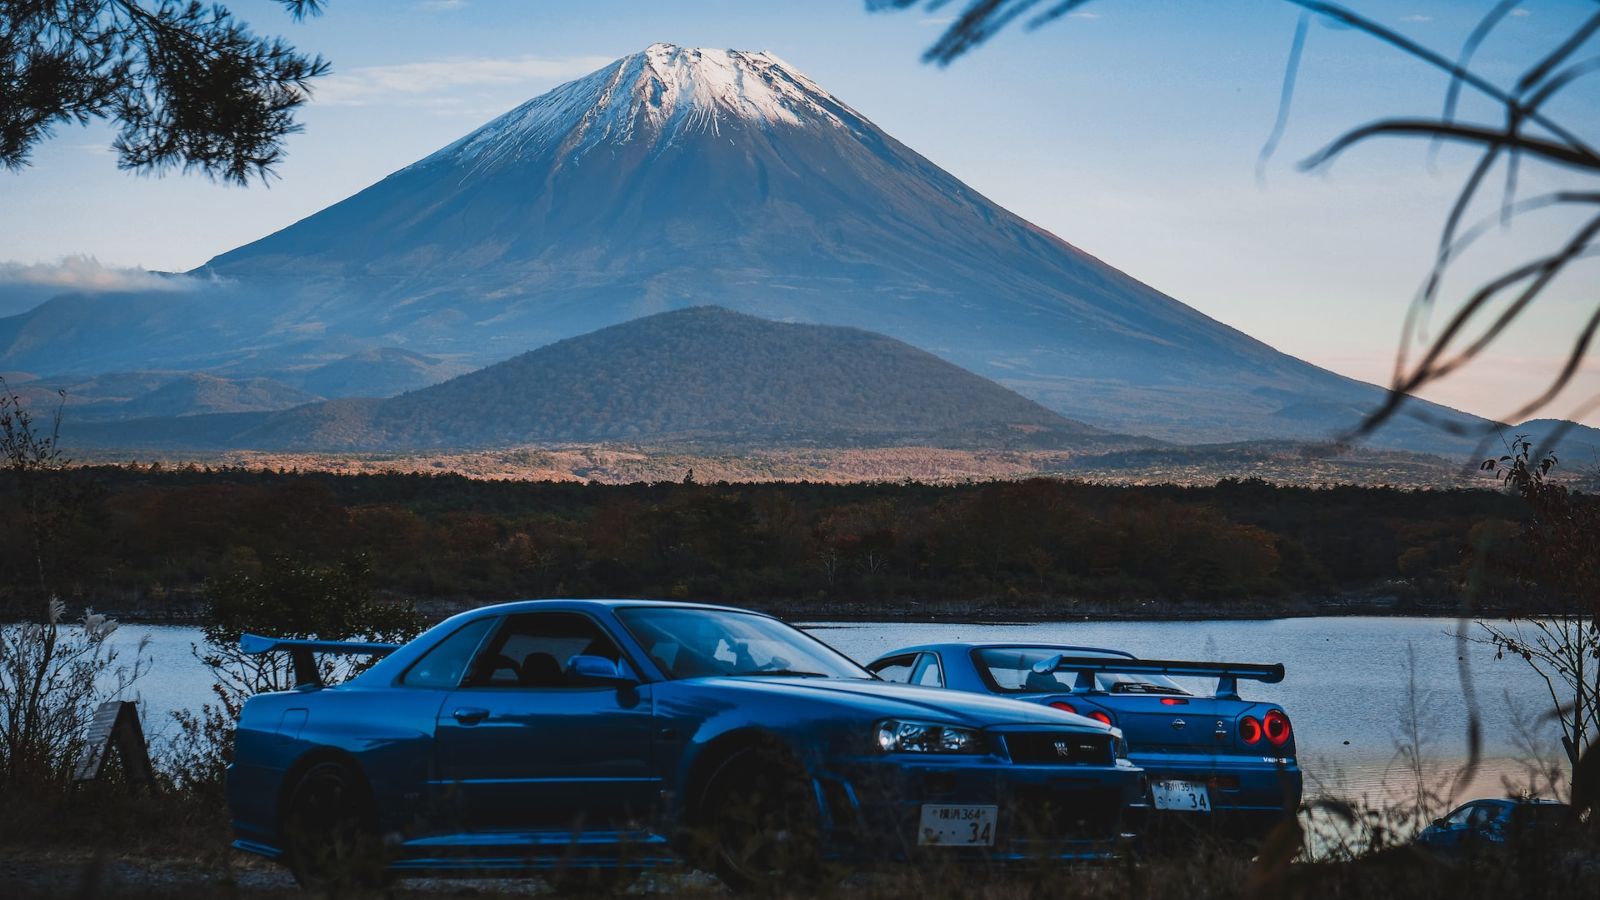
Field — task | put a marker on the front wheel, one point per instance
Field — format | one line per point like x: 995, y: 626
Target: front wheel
x: 329, y: 838
x: 761, y: 822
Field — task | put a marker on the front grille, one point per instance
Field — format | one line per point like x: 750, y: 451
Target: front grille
x: 1083, y: 814
x: 1060, y: 748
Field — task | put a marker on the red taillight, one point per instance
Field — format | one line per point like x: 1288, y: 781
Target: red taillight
x: 1096, y: 715
x: 1249, y: 730
x: 1276, y: 727
x: 1173, y: 701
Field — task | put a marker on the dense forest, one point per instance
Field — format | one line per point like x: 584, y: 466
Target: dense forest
x: 705, y: 376
x: 146, y: 540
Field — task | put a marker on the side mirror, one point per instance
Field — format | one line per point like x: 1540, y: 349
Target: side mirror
x: 599, y: 670
x: 1440, y: 823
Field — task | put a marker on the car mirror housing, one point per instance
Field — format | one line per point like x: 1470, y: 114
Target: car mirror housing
x: 599, y: 670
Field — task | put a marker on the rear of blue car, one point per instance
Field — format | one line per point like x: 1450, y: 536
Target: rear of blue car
x: 1220, y: 763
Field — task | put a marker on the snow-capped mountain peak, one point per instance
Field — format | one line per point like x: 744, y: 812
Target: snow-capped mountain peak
x: 658, y: 94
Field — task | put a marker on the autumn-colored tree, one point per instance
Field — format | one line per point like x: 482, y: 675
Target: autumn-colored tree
x: 1557, y: 554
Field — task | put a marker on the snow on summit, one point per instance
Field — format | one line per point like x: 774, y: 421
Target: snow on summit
x: 656, y: 95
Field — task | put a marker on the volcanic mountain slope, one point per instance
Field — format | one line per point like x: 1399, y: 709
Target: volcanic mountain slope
x: 701, y: 375
x: 376, y: 373
x: 676, y: 177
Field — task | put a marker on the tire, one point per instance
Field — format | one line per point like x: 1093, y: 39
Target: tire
x: 760, y: 826
x: 330, y: 842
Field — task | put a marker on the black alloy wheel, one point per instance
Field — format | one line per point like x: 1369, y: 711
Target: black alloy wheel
x: 761, y: 824
x: 329, y: 839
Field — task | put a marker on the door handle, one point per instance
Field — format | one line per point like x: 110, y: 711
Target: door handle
x: 470, y: 715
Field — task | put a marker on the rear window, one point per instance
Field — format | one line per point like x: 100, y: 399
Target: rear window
x: 1009, y: 670
x: 1541, y: 815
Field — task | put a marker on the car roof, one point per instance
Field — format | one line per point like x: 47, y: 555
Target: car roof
x: 560, y: 603
x: 963, y: 646
x: 1513, y: 801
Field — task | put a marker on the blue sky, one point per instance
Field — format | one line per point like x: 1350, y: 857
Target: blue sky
x: 1131, y: 130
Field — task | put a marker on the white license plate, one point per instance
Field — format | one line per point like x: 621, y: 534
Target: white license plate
x: 957, y: 826
x: 1185, y: 796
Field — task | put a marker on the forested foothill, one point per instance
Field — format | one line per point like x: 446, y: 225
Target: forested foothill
x: 147, y: 541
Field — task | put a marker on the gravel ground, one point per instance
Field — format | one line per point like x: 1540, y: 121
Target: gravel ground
x: 39, y: 875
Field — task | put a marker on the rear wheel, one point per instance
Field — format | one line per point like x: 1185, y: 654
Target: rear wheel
x: 329, y: 838
x: 760, y: 824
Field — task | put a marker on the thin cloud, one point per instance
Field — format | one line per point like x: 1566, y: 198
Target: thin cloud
x: 1416, y: 18
x: 1519, y: 13
x: 936, y: 21
x: 441, y: 5
x: 85, y: 273
x: 376, y: 84
x: 1084, y: 15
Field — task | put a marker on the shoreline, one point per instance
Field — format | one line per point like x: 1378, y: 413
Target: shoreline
x: 986, y: 614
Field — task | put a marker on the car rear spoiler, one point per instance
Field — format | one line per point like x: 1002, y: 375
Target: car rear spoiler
x: 1226, y: 673
x: 303, y: 653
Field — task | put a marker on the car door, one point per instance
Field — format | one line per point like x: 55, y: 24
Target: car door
x: 523, y: 746
x: 1448, y: 833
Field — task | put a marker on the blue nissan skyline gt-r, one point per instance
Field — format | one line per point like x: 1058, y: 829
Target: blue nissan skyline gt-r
x: 1221, y: 762
x: 586, y: 737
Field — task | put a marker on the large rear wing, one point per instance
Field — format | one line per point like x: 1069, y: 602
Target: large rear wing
x: 303, y: 654
x: 1226, y: 673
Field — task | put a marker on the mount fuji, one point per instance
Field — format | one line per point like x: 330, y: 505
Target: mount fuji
x: 675, y: 178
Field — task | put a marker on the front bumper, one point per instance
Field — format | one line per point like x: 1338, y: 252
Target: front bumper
x: 873, y: 806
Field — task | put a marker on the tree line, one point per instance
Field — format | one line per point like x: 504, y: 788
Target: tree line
x: 149, y: 540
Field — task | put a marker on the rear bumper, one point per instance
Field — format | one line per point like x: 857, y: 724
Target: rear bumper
x: 873, y: 807
x: 1249, y: 795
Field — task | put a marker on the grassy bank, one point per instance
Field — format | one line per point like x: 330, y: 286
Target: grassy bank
x: 99, y: 844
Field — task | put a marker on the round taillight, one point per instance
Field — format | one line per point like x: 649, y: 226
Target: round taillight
x: 1064, y: 706
x: 1276, y: 727
x: 1249, y: 730
x: 1100, y: 717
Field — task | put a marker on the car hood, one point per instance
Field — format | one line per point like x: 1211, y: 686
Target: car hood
x: 881, y: 698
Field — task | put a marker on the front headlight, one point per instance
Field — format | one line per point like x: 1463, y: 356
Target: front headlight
x: 895, y: 736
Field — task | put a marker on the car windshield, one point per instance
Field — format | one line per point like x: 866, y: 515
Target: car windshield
x: 693, y: 643
x: 1010, y: 670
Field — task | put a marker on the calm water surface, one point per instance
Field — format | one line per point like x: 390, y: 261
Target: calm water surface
x: 1346, y: 688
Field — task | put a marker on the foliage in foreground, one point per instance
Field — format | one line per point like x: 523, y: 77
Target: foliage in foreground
x: 185, y: 83
x: 53, y: 676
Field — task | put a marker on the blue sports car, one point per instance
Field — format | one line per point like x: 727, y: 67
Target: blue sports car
x: 1495, y: 824
x: 592, y: 738
x: 1220, y: 760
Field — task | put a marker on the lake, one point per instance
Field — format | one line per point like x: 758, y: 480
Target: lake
x: 1346, y: 687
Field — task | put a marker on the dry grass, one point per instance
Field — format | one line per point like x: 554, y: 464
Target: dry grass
x: 622, y: 464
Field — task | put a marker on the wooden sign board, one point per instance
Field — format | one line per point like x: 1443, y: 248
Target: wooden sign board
x: 115, y: 728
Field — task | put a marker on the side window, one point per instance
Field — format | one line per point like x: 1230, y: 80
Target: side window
x: 442, y: 666
x: 1459, y: 817
x: 895, y: 669
x: 928, y: 673
x: 533, y: 650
